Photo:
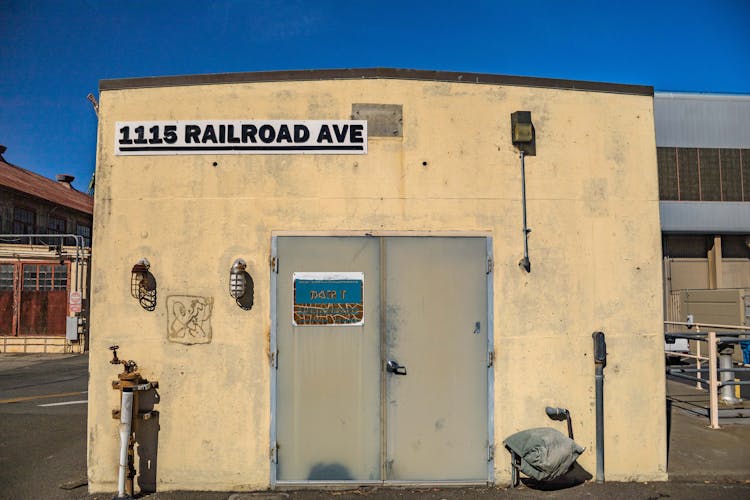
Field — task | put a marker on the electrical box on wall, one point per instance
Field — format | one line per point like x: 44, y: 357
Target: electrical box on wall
x: 71, y: 328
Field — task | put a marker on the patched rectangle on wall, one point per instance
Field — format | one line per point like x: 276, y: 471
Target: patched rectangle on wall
x: 189, y: 319
x: 383, y: 120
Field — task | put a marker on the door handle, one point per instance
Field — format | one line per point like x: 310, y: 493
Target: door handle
x: 393, y: 367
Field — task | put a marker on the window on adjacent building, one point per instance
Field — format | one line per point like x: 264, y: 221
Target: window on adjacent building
x: 6, y: 276
x: 60, y: 277
x: 24, y: 221
x: 85, y: 231
x: 45, y: 277
x: 55, y: 225
x: 703, y: 174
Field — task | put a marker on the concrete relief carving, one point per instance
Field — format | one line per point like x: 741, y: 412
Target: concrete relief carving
x: 189, y: 319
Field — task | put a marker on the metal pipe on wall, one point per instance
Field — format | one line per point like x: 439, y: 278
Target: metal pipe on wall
x: 525, y: 262
x: 126, y: 425
x: 600, y: 360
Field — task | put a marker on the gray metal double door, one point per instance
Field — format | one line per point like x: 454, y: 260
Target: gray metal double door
x: 394, y: 388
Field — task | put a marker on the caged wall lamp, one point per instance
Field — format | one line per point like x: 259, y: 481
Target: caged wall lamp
x: 143, y: 285
x: 241, y: 284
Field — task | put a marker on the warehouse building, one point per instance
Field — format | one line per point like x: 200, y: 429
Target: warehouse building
x: 45, y: 247
x: 332, y: 277
x: 703, y: 145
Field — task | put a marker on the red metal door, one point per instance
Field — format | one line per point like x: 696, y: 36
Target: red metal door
x: 6, y: 299
x: 44, y: 300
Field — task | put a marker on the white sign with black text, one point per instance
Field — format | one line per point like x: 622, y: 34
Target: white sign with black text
x: 193, y: 137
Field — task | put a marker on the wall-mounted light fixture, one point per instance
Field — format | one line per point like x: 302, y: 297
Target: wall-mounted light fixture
x: 241, y: 286
x: 522, y: 132
x: 143, y: 285
x: 523, y: 137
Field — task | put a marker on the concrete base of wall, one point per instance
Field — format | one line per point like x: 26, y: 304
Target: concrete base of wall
x: 51, y: 345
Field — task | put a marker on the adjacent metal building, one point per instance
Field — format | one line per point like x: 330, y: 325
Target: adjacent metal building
x: 703, y: 145
x: 45, y: 245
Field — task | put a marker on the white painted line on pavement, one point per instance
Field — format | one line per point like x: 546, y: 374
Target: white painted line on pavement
x: 66, y: 403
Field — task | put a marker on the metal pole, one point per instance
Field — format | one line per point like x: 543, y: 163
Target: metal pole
x: 713, y: 384
x: 525, y: 263
x: 126, y: 420
x: 600, y: 360
x: 599, y: 423
x: 726, y: 374
x: 698, y: 385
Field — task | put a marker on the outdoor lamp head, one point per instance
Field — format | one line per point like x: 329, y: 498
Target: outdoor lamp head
x: 138, y: 276
x: 522, y: 132
x: 237, y: 281
x: 521, y: 127
x: 143, y: 285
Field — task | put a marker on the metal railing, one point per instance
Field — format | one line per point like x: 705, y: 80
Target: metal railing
x: 720, y: 340
x: 38, y: 344
x: 80, y: 249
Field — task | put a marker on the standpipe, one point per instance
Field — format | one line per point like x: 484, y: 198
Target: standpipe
x: 600, y: 361
x: 129, y: 382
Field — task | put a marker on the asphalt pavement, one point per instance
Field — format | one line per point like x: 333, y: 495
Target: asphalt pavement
x: 43, y: 426
x: 43, y: 450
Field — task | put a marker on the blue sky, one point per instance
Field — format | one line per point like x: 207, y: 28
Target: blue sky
x: 53, y: 53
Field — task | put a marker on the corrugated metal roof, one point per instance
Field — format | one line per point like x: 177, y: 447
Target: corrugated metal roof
x: 689, y: 120
x: 22, y: 180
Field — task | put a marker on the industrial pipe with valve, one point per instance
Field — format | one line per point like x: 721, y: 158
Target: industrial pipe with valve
x: 130, y: 383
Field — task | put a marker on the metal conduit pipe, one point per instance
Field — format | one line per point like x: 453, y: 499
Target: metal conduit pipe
x: 704, y: 370
x: 600, y: 360
x: 79, y: 248
x: 126, y: 426
x: 525, y: 263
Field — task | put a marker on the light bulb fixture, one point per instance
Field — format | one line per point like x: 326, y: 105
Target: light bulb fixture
x: 241, y: 286
x: 237, y: 281
x: 143, y: 284
x: 523, y: 135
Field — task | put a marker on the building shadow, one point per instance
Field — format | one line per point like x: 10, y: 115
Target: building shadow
x: 669, y: 428
x: 329, y: 472
x: 575, y: 476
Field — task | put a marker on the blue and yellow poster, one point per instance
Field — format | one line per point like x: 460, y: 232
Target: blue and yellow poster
x: 328, y: 299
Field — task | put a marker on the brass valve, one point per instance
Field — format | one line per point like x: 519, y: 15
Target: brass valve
x: 128, y: 366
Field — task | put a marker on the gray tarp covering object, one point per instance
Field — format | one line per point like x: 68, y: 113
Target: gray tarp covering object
x: 545, y: 452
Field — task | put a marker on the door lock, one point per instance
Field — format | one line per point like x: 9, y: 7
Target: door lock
x: 393, y: 367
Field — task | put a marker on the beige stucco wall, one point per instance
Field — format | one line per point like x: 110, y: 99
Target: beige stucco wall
x: 595, y: 253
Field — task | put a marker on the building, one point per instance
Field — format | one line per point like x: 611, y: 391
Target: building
x: 375, y: 219
x: 703, y: 146
x: 43, y: 276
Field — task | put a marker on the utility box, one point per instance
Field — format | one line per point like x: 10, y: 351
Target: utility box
x: 71, y: 328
